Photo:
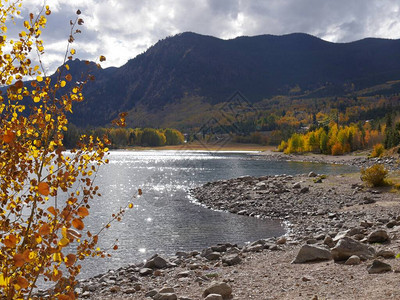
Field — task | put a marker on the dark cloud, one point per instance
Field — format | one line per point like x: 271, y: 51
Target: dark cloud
x: 121, y: 29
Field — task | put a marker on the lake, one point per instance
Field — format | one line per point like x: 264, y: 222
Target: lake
x: 165, y: 219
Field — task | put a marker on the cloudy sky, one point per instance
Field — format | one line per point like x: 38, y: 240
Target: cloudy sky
x: 121, y: 29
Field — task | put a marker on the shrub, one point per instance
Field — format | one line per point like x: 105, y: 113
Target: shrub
x: 282, y: 146
x: 378, y: 150
x: 375, y: 175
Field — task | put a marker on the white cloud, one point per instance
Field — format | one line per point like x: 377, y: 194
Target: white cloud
x: 121, y: 29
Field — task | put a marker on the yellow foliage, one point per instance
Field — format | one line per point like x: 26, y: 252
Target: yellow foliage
x: 378, y: 150
x: 35, y: 225
x: 375, y: 175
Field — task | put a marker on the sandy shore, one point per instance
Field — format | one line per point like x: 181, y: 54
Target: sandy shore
x: 316, y: 209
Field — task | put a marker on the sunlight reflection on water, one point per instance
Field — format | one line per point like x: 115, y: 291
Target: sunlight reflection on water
x: 165, y: 219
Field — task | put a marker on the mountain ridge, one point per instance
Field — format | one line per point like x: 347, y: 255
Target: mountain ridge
x: 191, y: 65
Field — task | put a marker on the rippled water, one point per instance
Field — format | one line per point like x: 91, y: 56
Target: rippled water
x: 164, y: 219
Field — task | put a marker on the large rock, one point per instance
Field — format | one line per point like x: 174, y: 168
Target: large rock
x: 156, y: 262
x: 309, y: 253
x: 379, y: 267
x: 353, y: 260
x: 231, y: 260
x: 166, y: 296
x: 378, y: 236
x: 219, y: 288
x: 347, y: 247
x: 145, y: 271
x: 213, y: 256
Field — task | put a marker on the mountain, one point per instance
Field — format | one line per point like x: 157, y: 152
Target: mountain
x: 192, y: 67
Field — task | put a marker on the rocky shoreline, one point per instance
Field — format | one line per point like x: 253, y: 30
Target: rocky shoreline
x: 352, y: 229
x: 360, y: 160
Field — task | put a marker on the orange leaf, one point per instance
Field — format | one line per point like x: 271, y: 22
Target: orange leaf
x: 52, y: 210
x: 115, y: 247
x: 10, y: 241
x: 19, y: 260
x: 83, y: 212
x: 22, y: 282
x: 78, y: 224
x: 8, y: 137
x: 68, y: 77
x: 44, y: 229
x: 43, y: 188
x: 140, y: 192
x: 70, y: 260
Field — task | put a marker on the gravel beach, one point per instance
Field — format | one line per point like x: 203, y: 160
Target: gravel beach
x: 341, y: 243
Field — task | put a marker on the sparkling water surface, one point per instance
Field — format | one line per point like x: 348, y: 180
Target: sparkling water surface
x: 165, y: 219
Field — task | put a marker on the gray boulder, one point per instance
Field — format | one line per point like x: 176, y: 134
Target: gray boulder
x: 353, y: 260
x: 213, y: 256
x: 386, y: 253
x: 219, y: 288
x: 166, y: 296
x: 145, y: 271
x: 379, y: 267
x: 378, y: 236
x: 156, y: 262
x: 231, y: 260
x: 309, y: 253
x: 347, y: 247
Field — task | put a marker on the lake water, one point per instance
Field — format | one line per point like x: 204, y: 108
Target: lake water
x: 165, y: 219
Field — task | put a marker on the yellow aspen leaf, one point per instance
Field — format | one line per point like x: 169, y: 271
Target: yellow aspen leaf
x: 38, y: 239
x: 63, y: 242
x: 19, y: 260
x: 130, y: 205
x: 43, y: 188
x: 57, y: 257
x: 4, y: 281
x: 73, y: 51
x: 67, y: 67
x: 39, y: 78
x: 36, y: 99
x: 63, y: 83
x: 44, y: 229
x: 83, y: 212
x: 78, y: 224
x: 102, y: 58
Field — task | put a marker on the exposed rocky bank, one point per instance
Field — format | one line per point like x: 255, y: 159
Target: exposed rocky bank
x: 342, y: 241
